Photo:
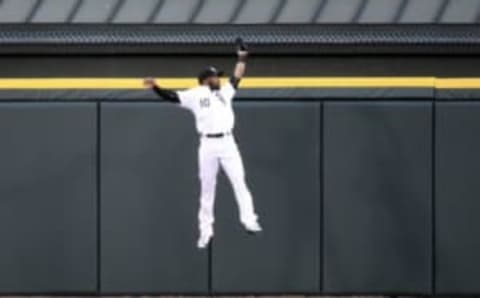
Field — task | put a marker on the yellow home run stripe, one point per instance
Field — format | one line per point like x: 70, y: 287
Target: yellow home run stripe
x: 89, y: 83
x: 337, y: 82
x: 250, y: 82
x: 458, y: 83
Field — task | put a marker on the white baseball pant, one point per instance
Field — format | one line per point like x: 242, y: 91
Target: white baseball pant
x: 213, y: 153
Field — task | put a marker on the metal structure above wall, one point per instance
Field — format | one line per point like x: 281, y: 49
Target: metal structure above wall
x: 239, y: 11
x: 218, y: 39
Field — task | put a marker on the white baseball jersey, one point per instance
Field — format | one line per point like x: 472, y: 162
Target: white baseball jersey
x: 213, y: 113
x: 212, y: 108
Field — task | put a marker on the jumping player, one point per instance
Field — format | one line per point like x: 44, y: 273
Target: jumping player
x: 211, y: 104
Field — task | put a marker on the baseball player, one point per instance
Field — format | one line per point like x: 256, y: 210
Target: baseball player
x: 211, y: 104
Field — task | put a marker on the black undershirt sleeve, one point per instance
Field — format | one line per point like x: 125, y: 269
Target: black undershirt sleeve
x: 166, y: 94
x: 234, y: 81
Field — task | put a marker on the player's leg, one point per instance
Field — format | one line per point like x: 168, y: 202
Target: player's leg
x: 231, y: 162
x: 208, y: 164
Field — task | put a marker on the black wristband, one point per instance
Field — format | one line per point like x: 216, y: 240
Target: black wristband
x: 242, y: 59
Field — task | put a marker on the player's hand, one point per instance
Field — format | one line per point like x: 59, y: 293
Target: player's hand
x: 242, y: 49
x: 149, y: 82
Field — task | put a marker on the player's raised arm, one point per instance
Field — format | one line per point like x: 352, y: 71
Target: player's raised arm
x: 165, y: 94
x: 240, y: 66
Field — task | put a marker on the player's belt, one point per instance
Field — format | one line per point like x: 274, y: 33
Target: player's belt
x: 216, y: 135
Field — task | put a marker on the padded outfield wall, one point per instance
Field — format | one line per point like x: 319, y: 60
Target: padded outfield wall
x: 363, y: 169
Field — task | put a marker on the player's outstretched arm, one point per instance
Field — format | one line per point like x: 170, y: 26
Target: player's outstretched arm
x: 165, y: 94
x: 241, y: 65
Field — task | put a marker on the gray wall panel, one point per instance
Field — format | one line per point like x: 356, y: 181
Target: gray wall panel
x: 14, y: 11
x: 377, y: 199
x: 420, y: 11
x: 458, y: 95
x: 209, y: 11
x: 47, y: 197
x: 280, y: 147
x: 134, y: 11
x: 176, y: 11
x: 461, y: 11
x: 295, y: 10
x: 252, y: 11
x: 338, y: 11
x: 149, y: 200
x: 379, y: 11
x: 56, y: 11
x: 255, y: 12
x: 94, y: 11
x: 457, y: 193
